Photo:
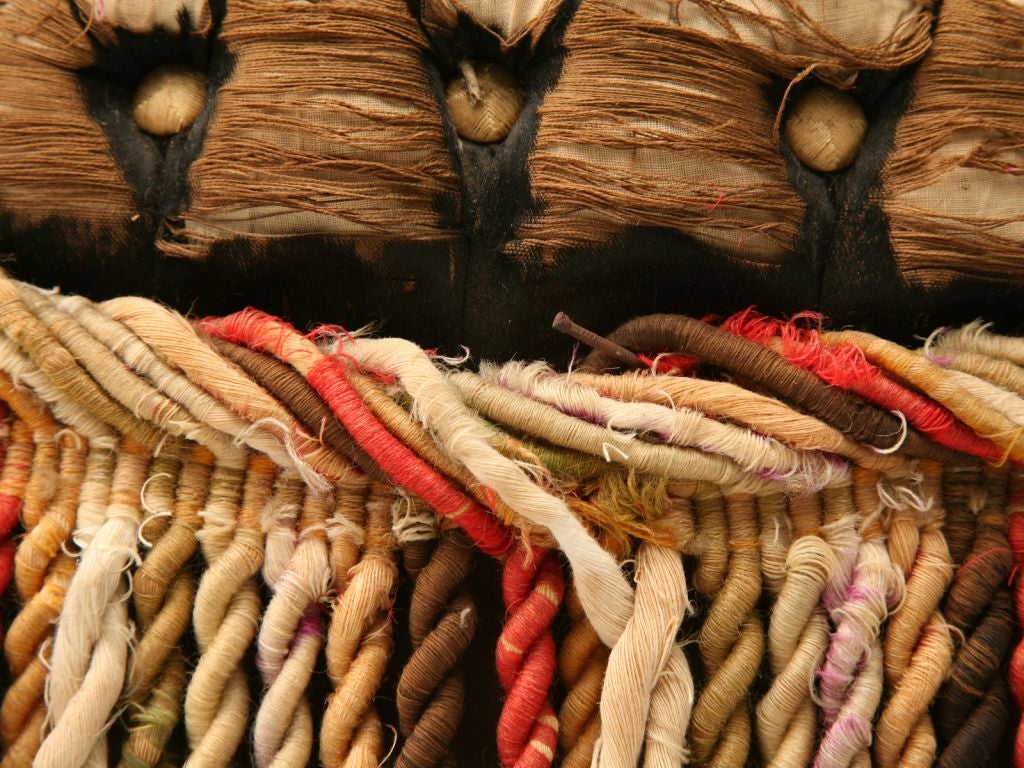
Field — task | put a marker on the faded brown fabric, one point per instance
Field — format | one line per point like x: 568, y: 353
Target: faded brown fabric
x: 510, y: 21
x: 954, y: 182
x: 327, y: 125
x: 105, y: 17
x: 837, y: 37
x: 654, y: 126
x: 55, y: 160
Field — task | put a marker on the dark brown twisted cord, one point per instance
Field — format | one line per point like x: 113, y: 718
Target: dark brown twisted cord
x: 974, y: 703
x: 961, y: 490
x: 675, y: 333
x: 292, y: 389
x: 442, y: 622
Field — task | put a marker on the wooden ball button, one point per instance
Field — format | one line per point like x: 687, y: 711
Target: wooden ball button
x: 169, y: 99
x: 484, y: 102
x: 825, y: 128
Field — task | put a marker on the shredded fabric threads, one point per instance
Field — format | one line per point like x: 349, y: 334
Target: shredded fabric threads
x: 657, y: 152
x: 938, y: 230
x: 374, y: 164
x: 224, y: 542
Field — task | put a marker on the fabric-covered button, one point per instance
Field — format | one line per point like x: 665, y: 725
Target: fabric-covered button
x: 826, y: 128
x: 484, y: 102
x: 169, y: 99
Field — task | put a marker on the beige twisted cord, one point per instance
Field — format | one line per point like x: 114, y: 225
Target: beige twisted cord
x: 648, y: 689
x: 359, y: 644
x: 90, y: 649
x: 863, y: 589
x: 44, y: 609
x: 227, y: 609
x: 290, y: 635
x: 918, y: 644
x: 787, y: 718
x: 731, y: 640
x: 164, y: 593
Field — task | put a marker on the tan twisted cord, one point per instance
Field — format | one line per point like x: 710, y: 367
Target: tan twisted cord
x: 40, y: 486
x: 13, y: 481
x: 776, y: 538
x: 61, y: 367
x: 291, y: 631
x: 164, y: 593
x: 864, y: 587
x: 787, y: 720
x: 918, y: 644
x: 731, y: 645
x: 941, y: 385
x: 523, y: 414
x: 582, y: 659
x: 345, y: 529
x: 90, y: 649
x: 136, y: 394
x: 1002, y: 373
x: 227, y: 609
x: 359, y: 645
x: 400, y: 423
x: 42, y: 575
x: 24, y: 372
x: 48, y: 512
x: 219, y: 425
x: 713, y: 538
x: 805, y: 471
x: 761, y: 413
x: 179, y: 346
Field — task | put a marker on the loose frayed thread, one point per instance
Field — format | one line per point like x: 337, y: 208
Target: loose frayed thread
x: 161, y: 477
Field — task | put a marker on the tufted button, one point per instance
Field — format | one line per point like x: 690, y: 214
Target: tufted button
x: 826, y: 128
x: 484, y: 102
x: 169, y: 99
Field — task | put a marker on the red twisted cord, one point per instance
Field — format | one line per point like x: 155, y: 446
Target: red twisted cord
x: 844, y: 366
x: 16, y: 461
x: 1016, y: 670
x: 533, y: 584
x: 328, y: 377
